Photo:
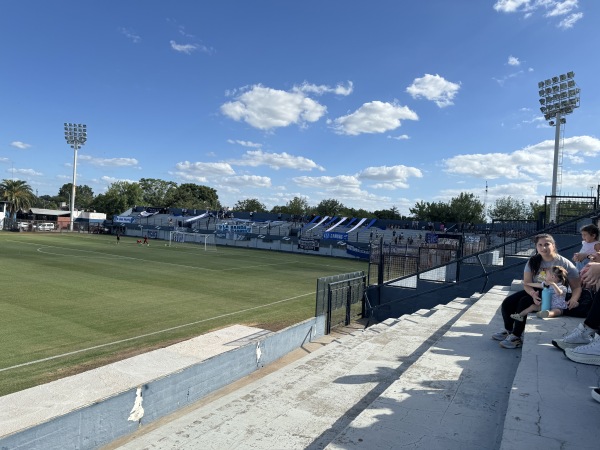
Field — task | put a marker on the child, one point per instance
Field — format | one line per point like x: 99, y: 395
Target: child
x: 589, y: 246
x: 595, y: 256
x: 556, y: 279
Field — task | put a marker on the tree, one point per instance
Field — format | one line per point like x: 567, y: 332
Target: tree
x: 329, y: 207
x: 296, y: 206
x: 535, y: 209
x: 19, y: 195
x: 389, y: 214
x: 508, y: 208
x: 83, y: 195
x: 155, y: 191
x: 46, y: 201
x: 467, y: 208
x: 464, y: 208
x: 119, y: 197
x: 250, y: 205
x: 192, y: 196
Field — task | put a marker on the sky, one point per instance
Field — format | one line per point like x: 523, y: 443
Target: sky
x: 376, y: 104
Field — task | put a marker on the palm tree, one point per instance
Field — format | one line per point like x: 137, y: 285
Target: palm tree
x: 18, y: 193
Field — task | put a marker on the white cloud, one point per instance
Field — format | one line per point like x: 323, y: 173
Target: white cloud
x: 247, y: 181
x: 390, y: 177
x: 402, y: 137
x: 20, y: 145
x: 128, y: 33
x: 569, y: 21
x: 347, y: 181
x: 513, y: 61
x: 184, y: 48
x: 108, y: 162
x: 561, y: 8
x: 552, y: 8
x: 244, y: 143
x: 111, y: 180
x: 533, y: 162
x: 255, y: 158
x: 339, y: 89
x: 266, y: 108
x: 434, y: 88
x: 510, y: 6
x: 203, y: 170
x: 26, y: 172
x: 373, y: 117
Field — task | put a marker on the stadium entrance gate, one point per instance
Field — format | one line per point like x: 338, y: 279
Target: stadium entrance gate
x: 341, y: 298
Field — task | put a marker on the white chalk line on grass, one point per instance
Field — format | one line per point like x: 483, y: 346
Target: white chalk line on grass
x: 291, y: 261
x: 111, y: 255
x: 50, y: 358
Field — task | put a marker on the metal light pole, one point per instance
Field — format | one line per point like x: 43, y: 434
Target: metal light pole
x: 559, y: 96
x: 75, y: 135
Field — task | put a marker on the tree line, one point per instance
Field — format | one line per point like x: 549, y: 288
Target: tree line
x: 122, y: 195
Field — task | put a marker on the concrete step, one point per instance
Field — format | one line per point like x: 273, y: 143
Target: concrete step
x: 309, y: 402
x: 453, y: 397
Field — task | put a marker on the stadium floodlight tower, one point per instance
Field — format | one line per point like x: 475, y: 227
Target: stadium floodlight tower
x: 75, y: 135
x: 559, y: 96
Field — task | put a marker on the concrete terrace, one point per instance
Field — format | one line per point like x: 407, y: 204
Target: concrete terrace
x: 430, y: 380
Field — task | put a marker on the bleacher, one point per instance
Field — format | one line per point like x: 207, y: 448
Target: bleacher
x: 433, y: 379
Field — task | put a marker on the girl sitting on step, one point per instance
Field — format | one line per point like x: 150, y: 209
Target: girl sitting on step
x: 535, y: 271
x: 556, y: 279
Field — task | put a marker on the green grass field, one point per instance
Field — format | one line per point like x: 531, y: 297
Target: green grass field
x: 74, y: 302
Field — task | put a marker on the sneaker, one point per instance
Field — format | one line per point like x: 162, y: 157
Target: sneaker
x: 500, y: 335
x: 516, y: 316
x: 596, y: 394
x: 579, y: 336
x: 586, y: 354
x: 511, y: 341
x: 543, y: 314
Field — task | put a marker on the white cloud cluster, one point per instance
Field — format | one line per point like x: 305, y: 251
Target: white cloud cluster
x: 390, y: 177
x: 108, y: 162
x: 434, y: 88
x: 20, y: 145
x: 183, y: 48
x: 533, y: 163
x: 255, y: 158
x: 265, y: 108
x: 244, y: 143
x: 373, y: 117
x: 131, y: 35
x: 552, y: 8
x: 339, y: 89
x: 513, y: 61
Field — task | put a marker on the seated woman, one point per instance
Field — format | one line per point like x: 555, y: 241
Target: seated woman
x: 535, y: 272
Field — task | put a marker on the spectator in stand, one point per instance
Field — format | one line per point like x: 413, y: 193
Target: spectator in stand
x: 535, y: 272
x: 589, y: 245
x: 582, y: 345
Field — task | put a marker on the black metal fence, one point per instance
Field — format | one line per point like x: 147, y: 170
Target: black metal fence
x: 341, y: 298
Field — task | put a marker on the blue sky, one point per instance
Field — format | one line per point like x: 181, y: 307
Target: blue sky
x: 375, y: 104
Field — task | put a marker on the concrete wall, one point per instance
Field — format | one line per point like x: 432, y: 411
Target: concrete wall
x: 104, y: 421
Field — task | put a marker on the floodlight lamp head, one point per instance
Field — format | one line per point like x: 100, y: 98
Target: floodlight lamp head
x: 540, y: 85
x: 570, y: 74
x: 555, y: 79
x: 563, y: 120
x: 551, y: 123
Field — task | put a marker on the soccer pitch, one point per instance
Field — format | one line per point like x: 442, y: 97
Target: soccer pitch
x: 72, y: 302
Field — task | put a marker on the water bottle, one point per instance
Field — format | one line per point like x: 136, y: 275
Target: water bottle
x: 546, y: 298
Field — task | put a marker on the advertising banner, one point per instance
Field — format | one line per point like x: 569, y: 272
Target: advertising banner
x: 123, y: 219
x: 335, y: 235
x: 308, y: 244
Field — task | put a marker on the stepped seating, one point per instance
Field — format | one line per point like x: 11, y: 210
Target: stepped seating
x: 429, y: 380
